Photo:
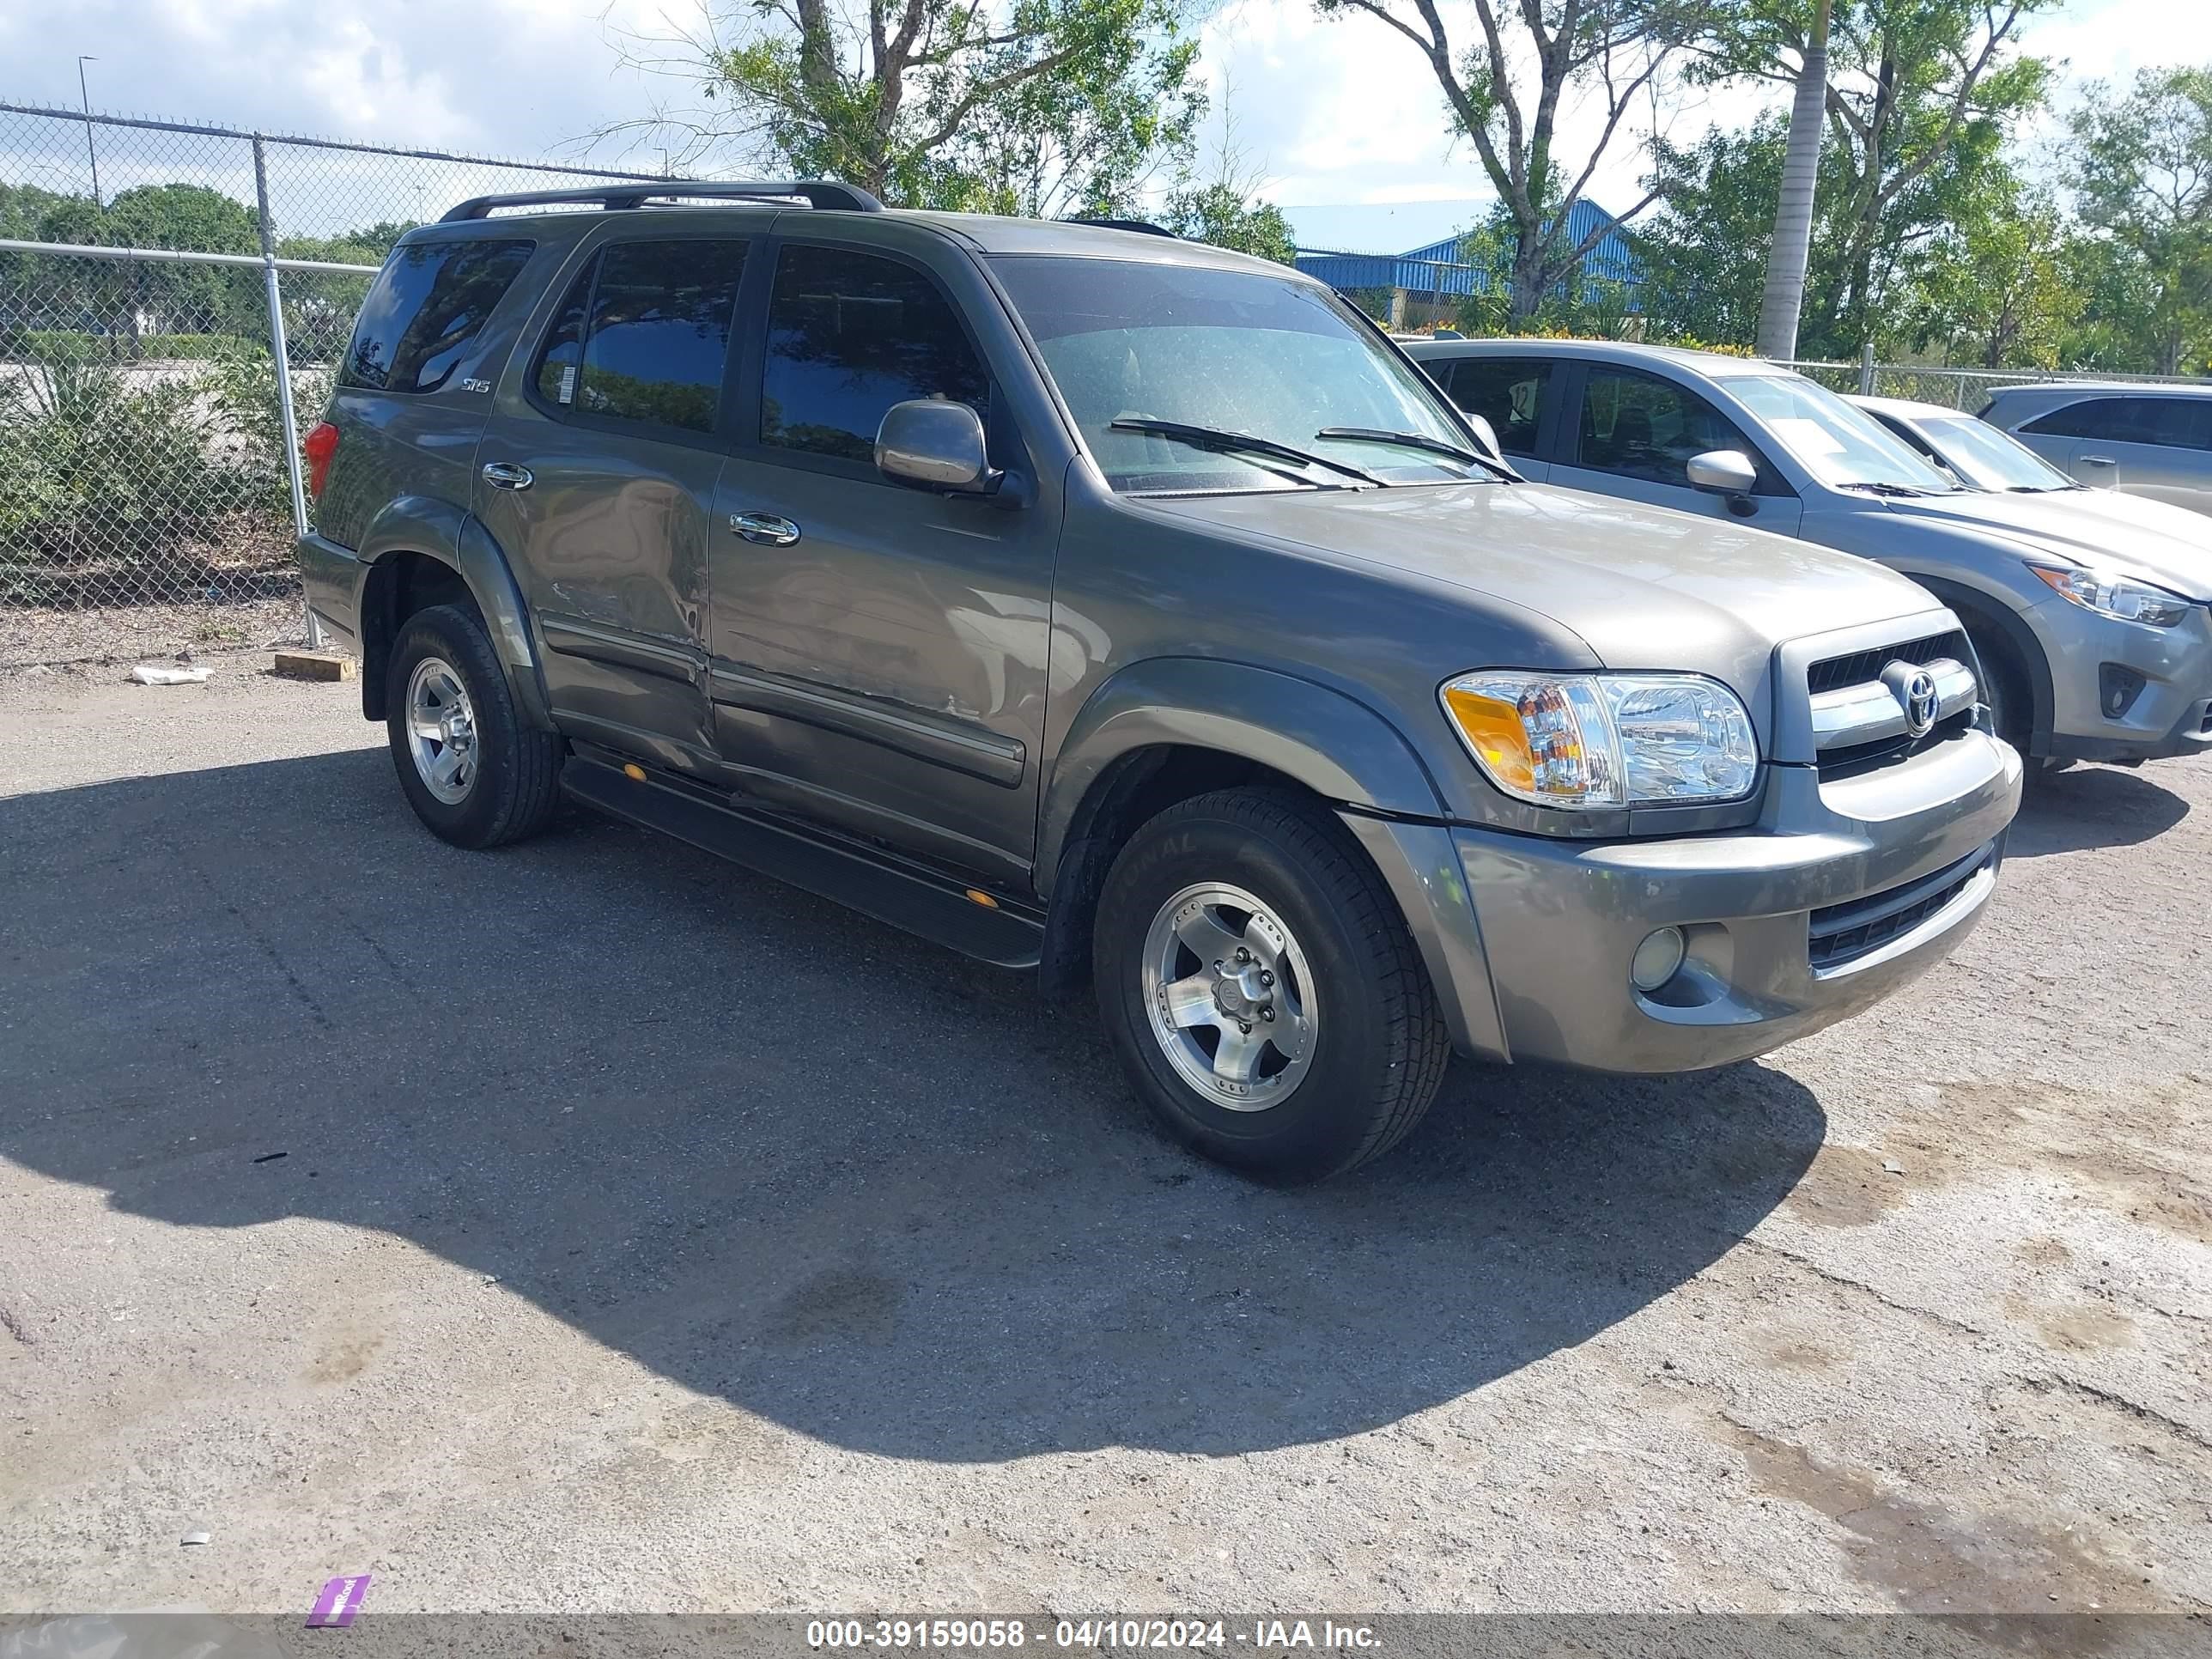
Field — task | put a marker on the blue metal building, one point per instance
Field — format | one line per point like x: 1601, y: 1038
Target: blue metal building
x: 1432, y: 278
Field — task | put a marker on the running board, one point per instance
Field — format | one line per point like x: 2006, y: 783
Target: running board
x: 907, y: 897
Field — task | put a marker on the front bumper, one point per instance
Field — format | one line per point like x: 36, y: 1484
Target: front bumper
x: 1539, y: 968
x: 2167, y: 715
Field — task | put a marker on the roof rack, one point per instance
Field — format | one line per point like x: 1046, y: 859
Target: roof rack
x: 815, y: 192
x: 1144, y: 227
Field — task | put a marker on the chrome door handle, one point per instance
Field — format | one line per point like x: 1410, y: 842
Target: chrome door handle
x: 764, y: 528
x: 506, y: 474
x: 2099, y: 460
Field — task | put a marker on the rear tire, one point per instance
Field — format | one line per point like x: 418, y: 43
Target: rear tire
x: 1321, y: 1046
x: 476, y: 774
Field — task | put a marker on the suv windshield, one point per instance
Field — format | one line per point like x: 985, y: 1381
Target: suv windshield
x: 1991, y: 459
x: 1238, y: 352
x: 1840, y: 446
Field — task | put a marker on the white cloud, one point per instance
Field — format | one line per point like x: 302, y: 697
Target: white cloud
x: 1340, y: 113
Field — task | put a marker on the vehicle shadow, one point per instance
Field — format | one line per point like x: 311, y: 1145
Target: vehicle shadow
x: 2091, y: 806
x: 782, y: 1154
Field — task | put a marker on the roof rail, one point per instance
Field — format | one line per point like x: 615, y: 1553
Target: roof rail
x: 1144, y: 226
x: 815, y: 192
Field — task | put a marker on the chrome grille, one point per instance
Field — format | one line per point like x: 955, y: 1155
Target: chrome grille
x: 1860, y: 666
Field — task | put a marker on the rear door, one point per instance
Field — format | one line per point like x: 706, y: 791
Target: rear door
x: 878, y: 652
x: 597, y: 475
x: 1629, y: 433
x: 1515, y: 395
x: 2146, y: 446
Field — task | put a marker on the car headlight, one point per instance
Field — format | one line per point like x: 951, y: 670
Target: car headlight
x: 1591, y: 741
x: 2115, y: 595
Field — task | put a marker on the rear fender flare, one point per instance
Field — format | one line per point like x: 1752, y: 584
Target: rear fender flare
x: 458, y: 539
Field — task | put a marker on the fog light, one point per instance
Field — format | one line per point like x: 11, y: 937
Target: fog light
x: 1655, y: 959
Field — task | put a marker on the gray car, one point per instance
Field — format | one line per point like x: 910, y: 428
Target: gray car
x: 2090, y: 650
x: 2154, y: 440
x: 1125, y: 611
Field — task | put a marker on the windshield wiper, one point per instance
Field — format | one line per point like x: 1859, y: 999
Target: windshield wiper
x: 1225, y: 442
x: 1873, y: 488
x: 1369, y: 434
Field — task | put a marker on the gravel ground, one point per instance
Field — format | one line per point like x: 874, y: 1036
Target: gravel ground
x: 594, y: 1226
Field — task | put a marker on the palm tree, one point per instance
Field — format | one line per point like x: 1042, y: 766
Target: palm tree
x: 1784, y: 298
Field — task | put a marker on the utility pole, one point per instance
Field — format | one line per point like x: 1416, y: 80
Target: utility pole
x: 85, y: 99
x: 1784, y: 302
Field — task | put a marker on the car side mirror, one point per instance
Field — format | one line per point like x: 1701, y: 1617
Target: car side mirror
x: 935, y: 445
x: 1485, y: 433
x: 1722, y: 471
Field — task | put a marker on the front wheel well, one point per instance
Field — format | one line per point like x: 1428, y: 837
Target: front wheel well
x: 397, y: 585
x: 1133, y: 789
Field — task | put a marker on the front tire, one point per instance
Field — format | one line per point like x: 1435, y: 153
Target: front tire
x: 1260, y: 989
x: 476, y: 774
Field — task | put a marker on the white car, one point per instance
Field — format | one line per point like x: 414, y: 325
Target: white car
x: 1983, y: 457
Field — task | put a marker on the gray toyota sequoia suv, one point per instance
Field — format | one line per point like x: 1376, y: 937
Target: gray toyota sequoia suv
x: 1115, y: 608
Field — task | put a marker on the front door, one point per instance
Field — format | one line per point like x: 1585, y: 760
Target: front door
x: 878, y: 652
x: 597, y: 474
x: 1631, y: 434
x: 2156, y: 446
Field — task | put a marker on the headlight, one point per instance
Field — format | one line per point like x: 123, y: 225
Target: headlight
x: 1590, y: 741
x: 2115, y: 595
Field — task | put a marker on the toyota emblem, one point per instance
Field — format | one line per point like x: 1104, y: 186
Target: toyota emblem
x: 1914, y: 691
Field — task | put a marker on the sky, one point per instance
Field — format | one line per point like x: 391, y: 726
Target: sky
x: 1338, y: 118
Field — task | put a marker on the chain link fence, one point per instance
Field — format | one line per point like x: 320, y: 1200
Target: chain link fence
x: 152, y: 275
x: 1966, y: 389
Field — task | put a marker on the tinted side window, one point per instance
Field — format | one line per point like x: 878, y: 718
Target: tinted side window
x: 657, y: 334
x: 849, y: 335
x: 2170, y: 422
x: 425, y: 310
x: 1507, y: 392
x: 1644, y: 428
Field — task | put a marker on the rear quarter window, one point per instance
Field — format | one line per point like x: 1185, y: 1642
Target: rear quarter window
x: 425, y: 310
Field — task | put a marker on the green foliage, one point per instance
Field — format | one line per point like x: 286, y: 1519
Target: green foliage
x: 1046, y: 107
x: 2140, y: 168
x: 110, y: 465
x: 1223, y: 215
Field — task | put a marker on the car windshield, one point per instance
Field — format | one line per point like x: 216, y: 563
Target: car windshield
x: 1840, y: 446
x: 1237, y: 352
x: 1988, y: 459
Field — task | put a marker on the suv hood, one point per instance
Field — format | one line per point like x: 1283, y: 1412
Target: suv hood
x: 2087, y: 526
x: 1644, y: 587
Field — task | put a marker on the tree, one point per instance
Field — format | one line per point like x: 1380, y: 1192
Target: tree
x: 1045, y: 107
x: 1922, y: 95
x: 1782, y: 301
x: 1504, y: 96
x: 1704, y: 255
x: 1226, y: 210
x: 1995, y: 287
x: 2141, y: 169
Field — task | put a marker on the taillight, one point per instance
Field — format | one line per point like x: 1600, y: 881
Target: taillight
x: 320, y: 446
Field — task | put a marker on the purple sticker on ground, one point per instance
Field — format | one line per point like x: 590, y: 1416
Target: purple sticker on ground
x: 340, y: 1599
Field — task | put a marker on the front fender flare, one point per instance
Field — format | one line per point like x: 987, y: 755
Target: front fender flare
x: 1341, y: 749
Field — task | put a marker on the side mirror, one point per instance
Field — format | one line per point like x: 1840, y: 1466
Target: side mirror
x: 935, y: 445
x: 1485, y: 432
x: 1722, y: 471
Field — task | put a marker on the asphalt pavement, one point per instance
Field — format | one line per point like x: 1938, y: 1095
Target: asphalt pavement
x: 592, y: 1225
